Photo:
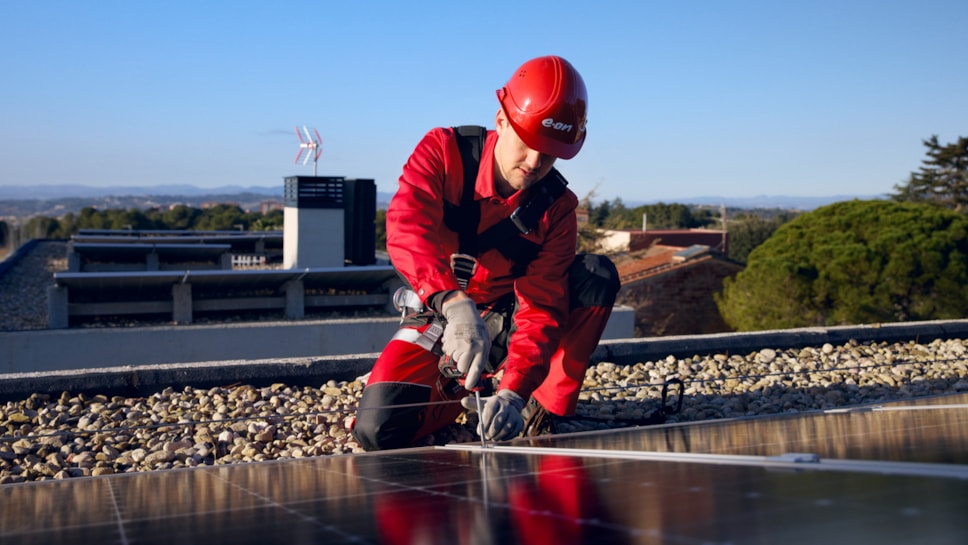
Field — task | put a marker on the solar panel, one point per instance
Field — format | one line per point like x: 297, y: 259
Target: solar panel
x: 336, y: 277
x: 906, y: 431
x: 554, y: 490
x: 162, y: 238
x: 119, y: 250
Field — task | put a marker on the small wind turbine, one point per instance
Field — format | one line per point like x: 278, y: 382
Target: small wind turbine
x: 314, y: 145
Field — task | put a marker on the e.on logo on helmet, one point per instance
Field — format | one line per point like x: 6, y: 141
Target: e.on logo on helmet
x: 556, y: 125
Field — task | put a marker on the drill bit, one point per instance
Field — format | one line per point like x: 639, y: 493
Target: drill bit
x: 480, y: 415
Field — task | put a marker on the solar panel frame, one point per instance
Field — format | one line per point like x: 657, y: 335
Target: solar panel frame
x: 361, y: 277
x: 897, y: 431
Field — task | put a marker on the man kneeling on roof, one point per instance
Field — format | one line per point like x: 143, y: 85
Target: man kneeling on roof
x: 483, y: 229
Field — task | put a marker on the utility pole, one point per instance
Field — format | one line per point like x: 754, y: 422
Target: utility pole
x: 722, y: 216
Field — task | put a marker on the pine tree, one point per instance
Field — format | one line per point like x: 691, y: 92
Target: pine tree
x: 854, y: 262
x: 943, y: 177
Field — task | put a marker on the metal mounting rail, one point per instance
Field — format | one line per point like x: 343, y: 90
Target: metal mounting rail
x: 790, y: 461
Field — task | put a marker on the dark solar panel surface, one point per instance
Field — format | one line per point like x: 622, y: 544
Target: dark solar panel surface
x: 114, y: 251
x: 562, y: 493
x: 934, y: 431
x: 336, y: 277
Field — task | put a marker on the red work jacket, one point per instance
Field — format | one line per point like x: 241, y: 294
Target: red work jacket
x: 420, y: 246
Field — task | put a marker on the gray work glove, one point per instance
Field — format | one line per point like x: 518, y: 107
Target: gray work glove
x: 500, y: 417
x: 466, y: 340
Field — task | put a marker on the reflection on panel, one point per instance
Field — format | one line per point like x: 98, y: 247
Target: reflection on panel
x: 467, y: 496
x: 907, y: 432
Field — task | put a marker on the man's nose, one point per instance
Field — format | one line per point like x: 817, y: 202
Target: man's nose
x: 534, y: 159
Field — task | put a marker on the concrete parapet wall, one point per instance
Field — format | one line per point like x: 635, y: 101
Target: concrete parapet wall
x: 145, y: 379
x: 67, y: 349
x: 262, y: 368
x: 86, y: 348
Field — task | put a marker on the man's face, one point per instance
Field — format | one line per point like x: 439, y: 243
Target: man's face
x: 516, y: 164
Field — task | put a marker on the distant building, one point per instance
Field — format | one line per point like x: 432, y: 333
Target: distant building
x: 212, y: 204
x: 267, y: 206
x: 636, y: 240
x: 672, y: 288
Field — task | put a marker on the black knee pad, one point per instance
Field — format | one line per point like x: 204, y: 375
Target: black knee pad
x: 380, y: 425
x: 592, y: 281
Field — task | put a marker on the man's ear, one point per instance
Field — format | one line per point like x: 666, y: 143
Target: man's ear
x: 500, y: 121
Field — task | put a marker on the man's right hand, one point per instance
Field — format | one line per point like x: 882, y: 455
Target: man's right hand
x: 500, y: 419
x: 465, y: 338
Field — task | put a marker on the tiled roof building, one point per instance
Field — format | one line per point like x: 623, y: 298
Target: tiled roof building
x: 671, y: 286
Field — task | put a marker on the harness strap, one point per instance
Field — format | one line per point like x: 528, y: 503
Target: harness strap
x: 504, y: 235
x: 425, y: 339
x: 470, y: 142
x: 523, y: 220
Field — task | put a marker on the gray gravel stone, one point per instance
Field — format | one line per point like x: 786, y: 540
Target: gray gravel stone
x: 24, y: 287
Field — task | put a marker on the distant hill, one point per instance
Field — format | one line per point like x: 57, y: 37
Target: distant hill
x: 45, y: 192
x: 55, y: 200
x: 783, y: 202
x: 57, y: 207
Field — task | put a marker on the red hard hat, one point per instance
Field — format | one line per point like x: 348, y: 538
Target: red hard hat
x: 546, y: 102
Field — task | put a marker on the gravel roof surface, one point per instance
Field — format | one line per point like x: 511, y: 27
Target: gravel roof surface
x: 23, y: 287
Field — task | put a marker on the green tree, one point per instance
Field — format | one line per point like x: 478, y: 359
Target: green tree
x: 272, y: 220
x: 381, y: 229
x: 663, y: 216
x: 180, y: 217
x: 221, y: 217
x: 615, y: 215
x: 854, y: 262
x: 943, y: 177
x: 129, y: 219
x: 41, y: 227
x: 747, y: 231
x: 68, y: 225
x: 598, y: 215
x: 91, y: 218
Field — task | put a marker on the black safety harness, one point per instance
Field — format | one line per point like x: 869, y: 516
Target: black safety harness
x: 505, y: 235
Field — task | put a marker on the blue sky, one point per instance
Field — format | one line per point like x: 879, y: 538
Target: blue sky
x: 688, y: 98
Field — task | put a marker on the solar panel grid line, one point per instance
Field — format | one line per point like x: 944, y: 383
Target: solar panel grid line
x: 314, y: 521
x: 224, y: 508
x: 123, y: 537
x: 474, y: 489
